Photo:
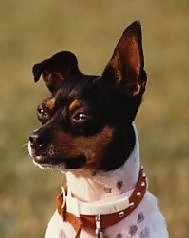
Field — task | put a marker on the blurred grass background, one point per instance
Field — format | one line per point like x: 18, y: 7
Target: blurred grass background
x: 33, y: 30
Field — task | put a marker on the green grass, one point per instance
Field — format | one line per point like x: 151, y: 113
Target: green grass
x: 33, y: 30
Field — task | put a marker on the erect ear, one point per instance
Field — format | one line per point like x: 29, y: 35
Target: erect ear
x: 125, y: 69
x: 55, y: 69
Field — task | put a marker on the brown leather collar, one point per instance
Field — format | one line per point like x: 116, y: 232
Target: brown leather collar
x: 101, y: 222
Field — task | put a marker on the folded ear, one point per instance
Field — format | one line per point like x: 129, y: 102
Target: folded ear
x: 125, y: 69
x: 55, y: 69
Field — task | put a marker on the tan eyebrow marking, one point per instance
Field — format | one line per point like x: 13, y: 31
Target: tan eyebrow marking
x: 76, y: 103
x: 50, y: 103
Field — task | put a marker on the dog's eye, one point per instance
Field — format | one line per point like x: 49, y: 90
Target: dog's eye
x: 81, y: 117
x: 40, y: 111
x: 42, y: 114
x: 85, y: 122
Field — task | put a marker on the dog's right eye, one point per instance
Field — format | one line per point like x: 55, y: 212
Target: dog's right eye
x: 40, y: 111
x: 42, y: 114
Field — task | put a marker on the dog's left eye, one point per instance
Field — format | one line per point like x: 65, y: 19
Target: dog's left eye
x: 85, y: 122
x: 81, y: 117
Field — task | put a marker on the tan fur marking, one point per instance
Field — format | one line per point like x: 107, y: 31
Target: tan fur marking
x: 74, y: 105
x: 50, y: 103
x: 107, y: 190
x: 92, y: 147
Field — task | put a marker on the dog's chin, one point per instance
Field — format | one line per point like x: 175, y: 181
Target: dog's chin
x: 42, y: 163
x: 59, y: 163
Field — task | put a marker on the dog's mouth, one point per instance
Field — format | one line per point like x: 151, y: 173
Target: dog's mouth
x: 45, y: 160
x: 59, y: 163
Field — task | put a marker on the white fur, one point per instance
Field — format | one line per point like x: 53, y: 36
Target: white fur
x: 144, y: 222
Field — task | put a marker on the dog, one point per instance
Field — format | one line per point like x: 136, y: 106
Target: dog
x: 88, y: 132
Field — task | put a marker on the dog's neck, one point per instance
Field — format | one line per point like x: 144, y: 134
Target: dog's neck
x: 93, y: 185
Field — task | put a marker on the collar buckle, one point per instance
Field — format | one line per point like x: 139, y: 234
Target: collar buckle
x: 99, y: 230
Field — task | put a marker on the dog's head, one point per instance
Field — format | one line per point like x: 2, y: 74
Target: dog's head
x: 87, y: 122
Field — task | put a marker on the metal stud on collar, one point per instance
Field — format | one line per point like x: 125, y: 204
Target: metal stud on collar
x: 121, y: 214
x: 142, y: 184
x: 132, y: 204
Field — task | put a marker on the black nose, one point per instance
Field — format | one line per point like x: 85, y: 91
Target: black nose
x: 37, y: 141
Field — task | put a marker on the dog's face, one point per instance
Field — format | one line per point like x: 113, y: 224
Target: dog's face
x: 87, y: 122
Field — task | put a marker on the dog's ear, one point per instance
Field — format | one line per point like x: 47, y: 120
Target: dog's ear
x: 125, y: 69
x: 55, y: 69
